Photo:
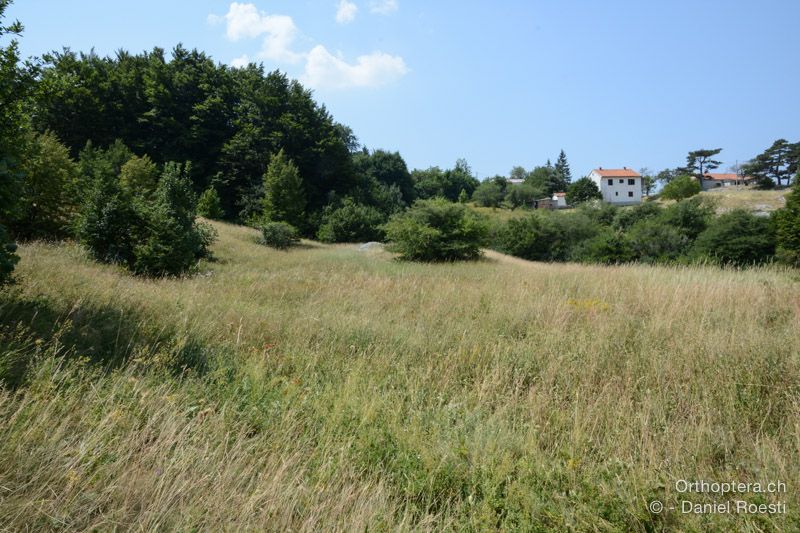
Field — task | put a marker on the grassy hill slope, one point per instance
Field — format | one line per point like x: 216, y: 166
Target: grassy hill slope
x: 330, y: 389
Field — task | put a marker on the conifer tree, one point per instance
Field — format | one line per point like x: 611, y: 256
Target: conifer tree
x: 284, y: 198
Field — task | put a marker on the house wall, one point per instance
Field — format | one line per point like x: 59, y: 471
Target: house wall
x: 619, y: 191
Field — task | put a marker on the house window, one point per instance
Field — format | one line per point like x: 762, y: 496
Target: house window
x: 621, y: 180
x: 611, y: 182
x: 630, y: 194
x: 631, y: 181
x: 616, y: 193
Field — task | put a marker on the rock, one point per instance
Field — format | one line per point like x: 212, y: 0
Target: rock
x: 371, y: 246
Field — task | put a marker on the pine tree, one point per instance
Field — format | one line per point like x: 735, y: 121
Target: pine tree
x: 284, y: 198
x: 563, y: 174
x: 209, y: 204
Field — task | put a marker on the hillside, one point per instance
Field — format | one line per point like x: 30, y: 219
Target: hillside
x: 744, y: 198
x: 330, y: 389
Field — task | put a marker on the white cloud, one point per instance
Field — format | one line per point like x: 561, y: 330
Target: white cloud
x: 324, y: 70
x: 241, y: 61
x: 383, y: 7
x: 246, y: 21
x: 346, y: 12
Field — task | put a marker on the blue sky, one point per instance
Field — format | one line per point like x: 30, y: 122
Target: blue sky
x: 613, y: 83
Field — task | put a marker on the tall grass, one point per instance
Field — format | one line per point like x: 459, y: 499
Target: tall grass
x: 329, y: 389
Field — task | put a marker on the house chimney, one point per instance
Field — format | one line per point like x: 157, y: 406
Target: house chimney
x: 601, y: 168
x: 624, y: 168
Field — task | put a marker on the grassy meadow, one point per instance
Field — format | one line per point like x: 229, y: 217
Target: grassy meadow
x: 329, y: 389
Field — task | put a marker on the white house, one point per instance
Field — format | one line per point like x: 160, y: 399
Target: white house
x: 619, y: 186
x: 560, y: 198
x: 714, y: 181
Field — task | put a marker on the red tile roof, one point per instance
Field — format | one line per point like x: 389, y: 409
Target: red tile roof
x: 561, y: 194
x: 617, y: 173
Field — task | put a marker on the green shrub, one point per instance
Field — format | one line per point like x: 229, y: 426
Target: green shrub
x: 628, y: 216
x: 608, y: 247
x: 691, y: 217
x: 787, y: 221
x: 155, y: 238
x: 652, y: 241
x: 437, y: 230
x: 601, y: 213
x: 352, y: 222
x: 680, y: 188
x: 209, y: 205
x: 279, y: 235
x: 532, y: 237
x: 737, y: 238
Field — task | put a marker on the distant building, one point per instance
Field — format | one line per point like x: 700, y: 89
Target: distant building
x: 516, y: 181
x: 560, y: 198
x: 619, y: 186
x: 545, y: 203
x: 713, y: 181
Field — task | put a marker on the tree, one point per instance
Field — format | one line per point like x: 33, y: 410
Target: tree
x: 545, y: 179
x: 48, y: 200
x: 172, y: 241
x: 648, y: 181
x: 563, y: 174
x: 139, y: 175
x: 435, y: 182
x: 387, y: 168
x: 437, y: 230
x: 284, y: 198
x: 14, y: 86
x: 522, y: 195
x: 518, y: 173
x: 700, y: 161
x: 209, y: 205
x: 463, y: 197
x: 787, y: 222
x: 667, y: 175
x: 777, y: 163
x: 680, y: 188
x: 583, y: 190
x: 488, y: 194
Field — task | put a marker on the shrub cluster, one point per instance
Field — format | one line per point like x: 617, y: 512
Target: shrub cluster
x: 437, y: 230
x: 279, y: 235
x: 601, y: 233
x: 155, y: 236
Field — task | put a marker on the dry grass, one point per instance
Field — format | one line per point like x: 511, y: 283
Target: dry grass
x: 329, y: 389
x: 729, y: 198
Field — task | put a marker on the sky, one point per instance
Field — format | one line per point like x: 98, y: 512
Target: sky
x: 500, y: 83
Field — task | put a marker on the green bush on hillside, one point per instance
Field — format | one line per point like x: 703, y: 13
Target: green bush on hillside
x: 279, y: 235
x: 151, y: 237
x: 787, y: 221
x: 351, y: 222
x: 437, y: 230
x: 680, y: 188
x: 737, y: 238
